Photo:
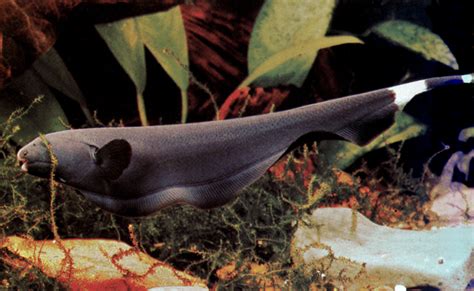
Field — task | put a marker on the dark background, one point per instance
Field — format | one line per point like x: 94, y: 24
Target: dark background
x: 338, y: 71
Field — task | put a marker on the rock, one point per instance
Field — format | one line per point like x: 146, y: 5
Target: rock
x: 455, y: 206
x: 179, y: 288
x: 453, y: 202
x: 96, y: 264
x: 355, y: 253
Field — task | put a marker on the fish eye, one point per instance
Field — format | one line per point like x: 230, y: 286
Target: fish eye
x: 93, y: 153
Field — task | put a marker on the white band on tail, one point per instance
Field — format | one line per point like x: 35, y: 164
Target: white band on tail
x: 405, y: 92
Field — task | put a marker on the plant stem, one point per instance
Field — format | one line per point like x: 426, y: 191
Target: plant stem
x: 184, y: 106
x: 87, y: 114
x: 142, y: 109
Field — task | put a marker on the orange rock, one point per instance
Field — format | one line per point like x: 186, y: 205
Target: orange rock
x: 260, y: 269
x: 344, y: 178
x: 93, y: 264
x: 228, y: 272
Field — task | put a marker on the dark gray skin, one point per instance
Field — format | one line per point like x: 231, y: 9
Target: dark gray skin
x: 135, y: 171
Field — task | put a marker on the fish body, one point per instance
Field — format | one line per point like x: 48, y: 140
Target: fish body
x: 135, y: 171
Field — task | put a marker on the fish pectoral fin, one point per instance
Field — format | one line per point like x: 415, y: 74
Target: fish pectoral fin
x: 113, y: 158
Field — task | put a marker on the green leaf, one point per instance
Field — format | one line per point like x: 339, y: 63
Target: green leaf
x: 52, y: 70
x: 286, y: 66
x: 417, y: 39
x: 281, y: 25
x: 466, y: 133
x: 163, y: 35
x: 44, y: 117
x: 124, y: 40
x: 342, y: 154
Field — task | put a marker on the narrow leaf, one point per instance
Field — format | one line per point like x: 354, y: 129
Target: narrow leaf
x: 52, y: 70
x: 44, y: 117
x: 342, y: 154
x: 417, y: 39
x: 285, y: 66
x: 279, y: 26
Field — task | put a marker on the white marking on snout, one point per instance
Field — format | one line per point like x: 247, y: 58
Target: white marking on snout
x: 24, y: 167
x: 19, y: 154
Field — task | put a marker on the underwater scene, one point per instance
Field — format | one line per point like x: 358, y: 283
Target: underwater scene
x: 236, y: 145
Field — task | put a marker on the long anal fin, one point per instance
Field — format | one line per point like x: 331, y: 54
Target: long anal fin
x: 222, y: 191
x: 365, y: 129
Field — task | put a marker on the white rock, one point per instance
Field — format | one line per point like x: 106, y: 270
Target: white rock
x: 400, y: 288
x: 455, y: 206
x: 441, y: 258
x: 453, y: 202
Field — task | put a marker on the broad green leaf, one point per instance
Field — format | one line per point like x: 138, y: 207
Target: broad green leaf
x: 52, y: 70
x: 163, y: 35
x: 285, y: 66
x: 342, y: 154
x: 124, y: 40
x: 44, y: 117
x: 417, y: 39
x: 282, y: 24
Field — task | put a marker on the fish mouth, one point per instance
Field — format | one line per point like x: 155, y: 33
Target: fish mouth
x: 35, y: 160
x: 23, y: 164
x: 37, y: 168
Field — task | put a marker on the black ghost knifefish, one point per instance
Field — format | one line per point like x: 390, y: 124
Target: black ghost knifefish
x: 135, y: 171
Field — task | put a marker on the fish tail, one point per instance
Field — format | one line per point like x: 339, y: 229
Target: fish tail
x: 406, y: 92
x: 362, y: 117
